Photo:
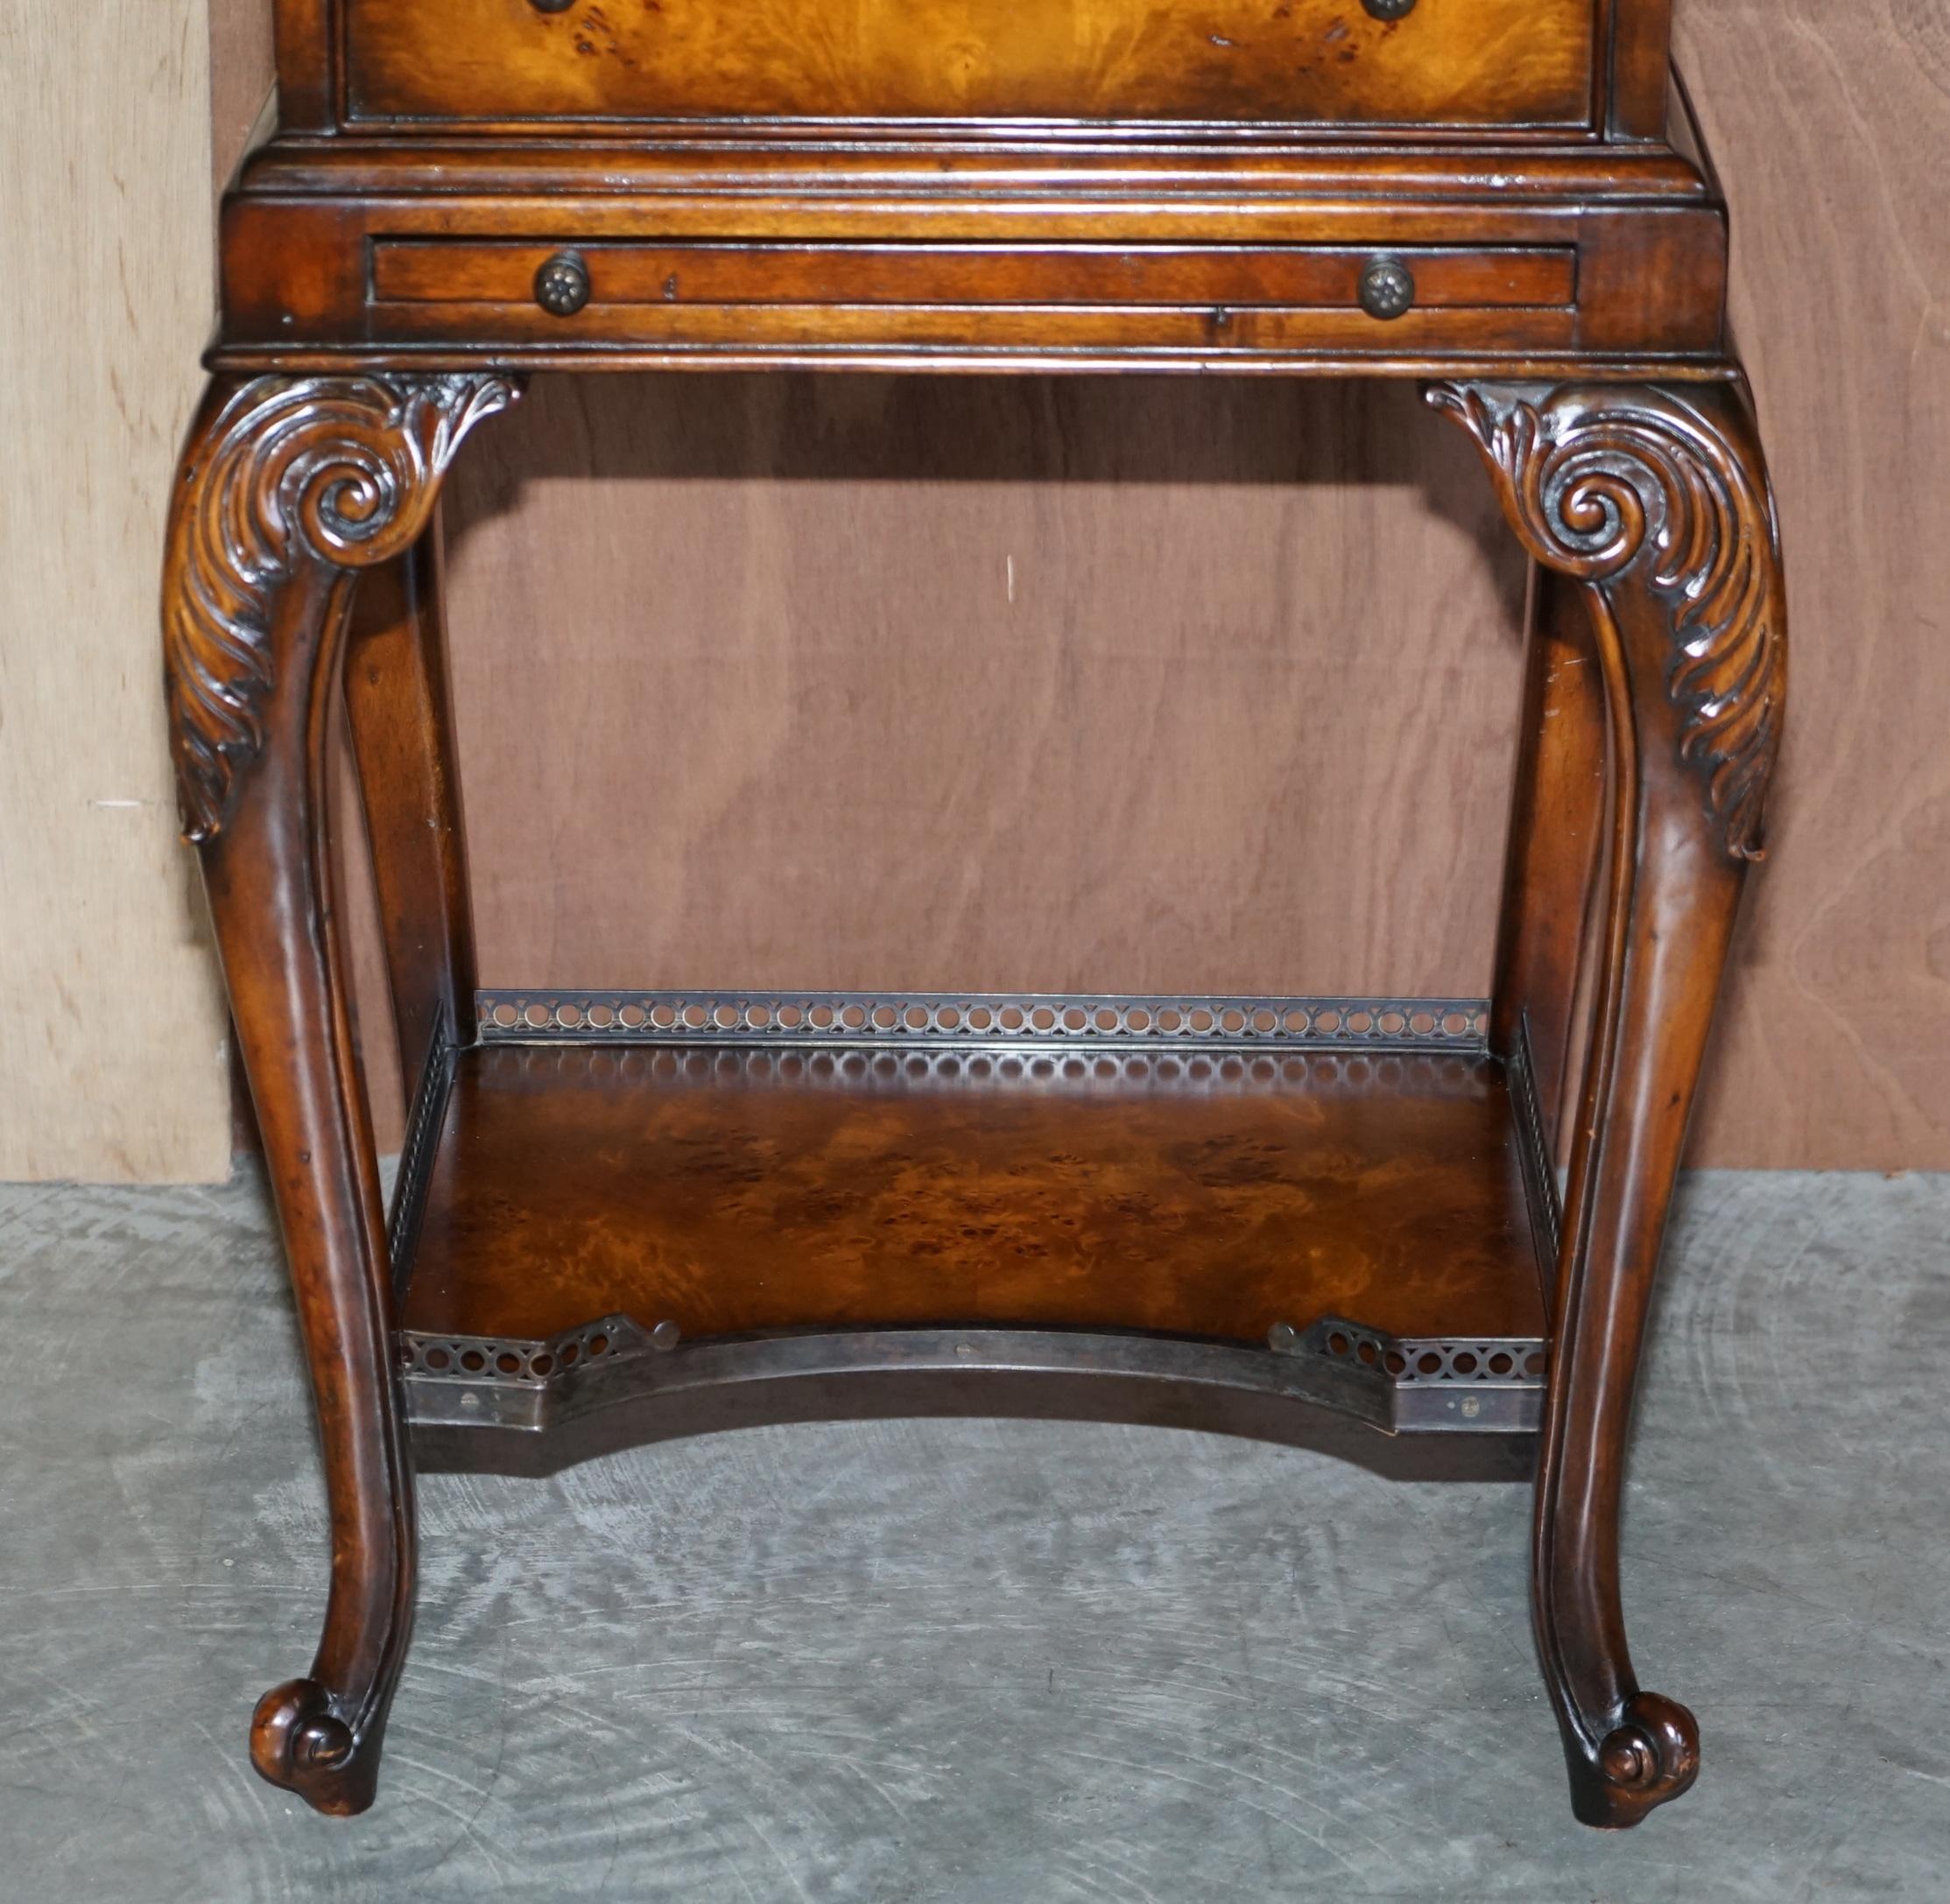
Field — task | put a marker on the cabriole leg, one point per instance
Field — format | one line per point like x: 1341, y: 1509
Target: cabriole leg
x: 1655, y: 500
x: 287, y: 488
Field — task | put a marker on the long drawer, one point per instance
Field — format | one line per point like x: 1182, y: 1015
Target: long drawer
x: 1453, y: 64
x: 732, y: 294
x: 740, y: 272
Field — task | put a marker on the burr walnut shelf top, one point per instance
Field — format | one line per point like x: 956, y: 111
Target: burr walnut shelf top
x: 1204, y: 1189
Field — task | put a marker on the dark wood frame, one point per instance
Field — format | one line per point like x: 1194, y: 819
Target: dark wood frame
x: 304, y: 551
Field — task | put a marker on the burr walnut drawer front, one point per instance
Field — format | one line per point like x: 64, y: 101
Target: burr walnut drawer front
x: 702, y: 292
x: 1444, y: 63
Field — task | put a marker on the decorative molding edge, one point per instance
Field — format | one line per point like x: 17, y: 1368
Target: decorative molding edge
x: 992, y: 1020
x: 341, y: 472
x: 1599, y: 481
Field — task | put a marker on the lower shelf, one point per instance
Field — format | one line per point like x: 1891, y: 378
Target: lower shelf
x: 631, y: 1201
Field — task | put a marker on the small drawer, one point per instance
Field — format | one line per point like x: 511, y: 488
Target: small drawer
x: 462, y: 271
x: 1451, y: 64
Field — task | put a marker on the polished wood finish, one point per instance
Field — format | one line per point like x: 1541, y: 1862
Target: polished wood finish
x: 1658, y: 503
x: 1557, y: 806
x: 1628, y: 90
x: 735, y: 1193
x: 284, y: 492
x: 1213, y: 62
x: 439, y: 271
x: 315, y: 234
x: 396, y: 699
x: 1561, y: 281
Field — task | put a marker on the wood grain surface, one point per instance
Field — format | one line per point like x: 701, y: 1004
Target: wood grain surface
x: 749, y: 1190
x: 111, y: 1020
x: 1521, y: 61
x: 1006, y: 683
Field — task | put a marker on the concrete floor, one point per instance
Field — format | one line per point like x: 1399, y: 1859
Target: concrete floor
x: 989, y: 1663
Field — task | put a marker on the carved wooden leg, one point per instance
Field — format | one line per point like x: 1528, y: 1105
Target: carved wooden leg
x: 1556, y: 809
x: 1654, y: 498
x: 396, y: 693
x: 287, y: 488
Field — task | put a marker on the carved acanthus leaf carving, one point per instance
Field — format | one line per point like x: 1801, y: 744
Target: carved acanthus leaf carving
x: 340, y: 471
x: 1596, y: 480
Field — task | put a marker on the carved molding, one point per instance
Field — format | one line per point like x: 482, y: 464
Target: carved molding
x: 1601, y: 480
x: 338, y: 471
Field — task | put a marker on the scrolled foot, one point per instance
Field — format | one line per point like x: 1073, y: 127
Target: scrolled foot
x: 1650, y: 1755
x: 299, y: 1741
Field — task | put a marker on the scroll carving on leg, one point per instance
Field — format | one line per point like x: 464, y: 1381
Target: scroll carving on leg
x: 287, y: 488
x: 1654, y: 498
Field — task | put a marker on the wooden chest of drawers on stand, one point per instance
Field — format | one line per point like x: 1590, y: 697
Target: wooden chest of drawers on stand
x: 1234, y: 1203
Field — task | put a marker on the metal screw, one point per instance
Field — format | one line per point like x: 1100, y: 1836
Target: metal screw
x: 1284, y: 1338
x: 562, y: 285
x: 562, y: 6
x: 1382, y: 10
x: 665, y: 1337
x: 1387, y: 289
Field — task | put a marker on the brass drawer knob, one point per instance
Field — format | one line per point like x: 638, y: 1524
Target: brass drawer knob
x: 1382, y: 10
x: 1387, y: 289
x: 562, y: 284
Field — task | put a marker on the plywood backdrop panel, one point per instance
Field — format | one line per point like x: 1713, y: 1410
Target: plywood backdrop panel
x: 111, y: 1028
x: 979, y: 684
x: 1830, y: 125
x: 1006, y: 684
x: 242, y: 71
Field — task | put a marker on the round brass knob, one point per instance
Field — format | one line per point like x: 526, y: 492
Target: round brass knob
x: 1387, y: 289
x: 562, y: 284
x: 1382, y: 10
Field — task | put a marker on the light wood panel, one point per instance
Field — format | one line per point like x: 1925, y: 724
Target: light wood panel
x: 111, y: 1028
x: 242, y: 73
x: 1009, y: 683
x: 1828, y: 125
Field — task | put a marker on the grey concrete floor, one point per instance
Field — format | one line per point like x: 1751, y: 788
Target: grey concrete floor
x: 989, y: 1663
